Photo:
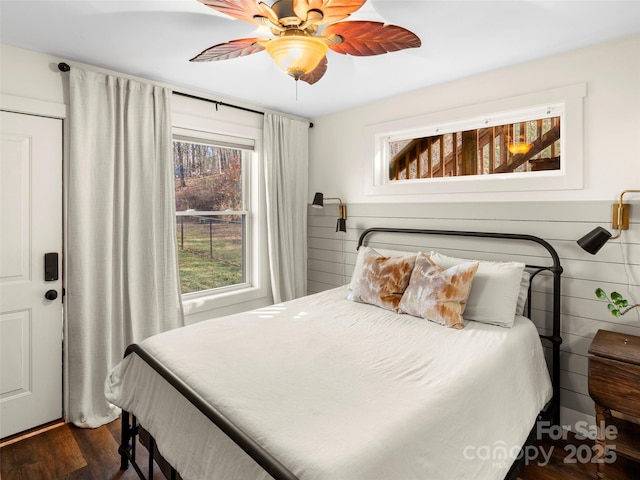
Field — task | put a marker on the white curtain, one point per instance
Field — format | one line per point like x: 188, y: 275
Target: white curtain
x: 122, y: 280
x: 286, y: 152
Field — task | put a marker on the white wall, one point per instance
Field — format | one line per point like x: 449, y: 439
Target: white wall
x: 339, y: 142
x: 612, y: 163
x: 340, y: 151
x: 32, y: 75
x: 332, y: 257
x: 30, y: 82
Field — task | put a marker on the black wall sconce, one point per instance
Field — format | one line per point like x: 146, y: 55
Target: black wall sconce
x: 593, y: 241
x: 318, y: 202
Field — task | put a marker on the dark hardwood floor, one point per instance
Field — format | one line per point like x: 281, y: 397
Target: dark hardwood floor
x: 70, y: 453
x: 67, y: 452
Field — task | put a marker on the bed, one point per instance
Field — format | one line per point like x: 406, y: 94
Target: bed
x: 324, y: 387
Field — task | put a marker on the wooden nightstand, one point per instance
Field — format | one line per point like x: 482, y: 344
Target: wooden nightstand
x: 614, y: 385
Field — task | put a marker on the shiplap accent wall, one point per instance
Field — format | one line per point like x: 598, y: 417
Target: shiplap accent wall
x: 332, y: 258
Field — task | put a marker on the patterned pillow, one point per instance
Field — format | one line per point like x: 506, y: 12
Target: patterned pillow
x: 436, y: 294
x: 383, y: 252
x: 496, y: 290
x: 382, y: 280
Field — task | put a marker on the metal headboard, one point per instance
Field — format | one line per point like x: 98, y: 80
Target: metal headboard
x: 552, y: 412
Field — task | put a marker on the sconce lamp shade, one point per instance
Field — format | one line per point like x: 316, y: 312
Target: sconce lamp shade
x: 594, y: 240
x: 318, y: 200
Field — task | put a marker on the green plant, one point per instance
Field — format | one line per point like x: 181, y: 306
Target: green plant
x: 616, y: 303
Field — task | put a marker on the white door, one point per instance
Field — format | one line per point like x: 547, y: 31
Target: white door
x: 30, y: 227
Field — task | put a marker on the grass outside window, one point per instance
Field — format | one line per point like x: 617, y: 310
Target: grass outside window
x: 209, y: 252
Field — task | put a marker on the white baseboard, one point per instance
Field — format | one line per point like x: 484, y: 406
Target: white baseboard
x: 569, y: 418
x: 581, y: 424
x: 575, y: 421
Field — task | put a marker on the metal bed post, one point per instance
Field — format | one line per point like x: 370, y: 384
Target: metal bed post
x: 124, y: 440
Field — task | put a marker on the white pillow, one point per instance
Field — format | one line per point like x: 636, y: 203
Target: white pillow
x: 524, y: 292
x: 380, y: 251
x: 494, y: 292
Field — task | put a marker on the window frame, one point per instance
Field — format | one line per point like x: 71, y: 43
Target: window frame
x: 565, y: 102
x: 255, y: 287
x: 529, y: 115
x: 247, y: 149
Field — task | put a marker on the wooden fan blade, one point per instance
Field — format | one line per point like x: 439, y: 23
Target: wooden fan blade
x: 232, y: 49
x: 332, y: 10
x: 246, y: 10
x: 317, y: 73
x: 363, y: 38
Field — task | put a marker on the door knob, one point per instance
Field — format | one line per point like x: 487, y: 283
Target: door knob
x: 51, y: 295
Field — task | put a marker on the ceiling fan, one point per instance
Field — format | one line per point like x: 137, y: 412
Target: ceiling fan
x: 304, y: 30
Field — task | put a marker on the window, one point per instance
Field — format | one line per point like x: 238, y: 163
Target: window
x: 222, y: 282
x: 213, y: 225
x: 474, y: 148
x: 525, y: 146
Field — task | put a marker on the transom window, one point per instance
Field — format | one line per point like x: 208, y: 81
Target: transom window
x: 527, y: 146
x: 211, y: 178
x: 527, y: 143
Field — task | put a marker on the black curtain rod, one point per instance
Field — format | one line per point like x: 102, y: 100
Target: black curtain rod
x: 64, y: 67
x: 218, y: 103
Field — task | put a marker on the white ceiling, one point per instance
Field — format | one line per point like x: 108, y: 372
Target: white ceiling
x: 155, y: 39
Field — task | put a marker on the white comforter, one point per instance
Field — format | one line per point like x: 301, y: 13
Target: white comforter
x: 341, y: 390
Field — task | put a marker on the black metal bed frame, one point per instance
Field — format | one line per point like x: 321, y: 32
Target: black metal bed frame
x: 551, y: 412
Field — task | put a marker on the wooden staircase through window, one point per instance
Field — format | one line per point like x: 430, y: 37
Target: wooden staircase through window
x: 478, y: 152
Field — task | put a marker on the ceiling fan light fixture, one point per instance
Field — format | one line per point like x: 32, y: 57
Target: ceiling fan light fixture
x: 517, y: 144
x: 298, y: 49
x: 519, y: 147
x: 296, y: 54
